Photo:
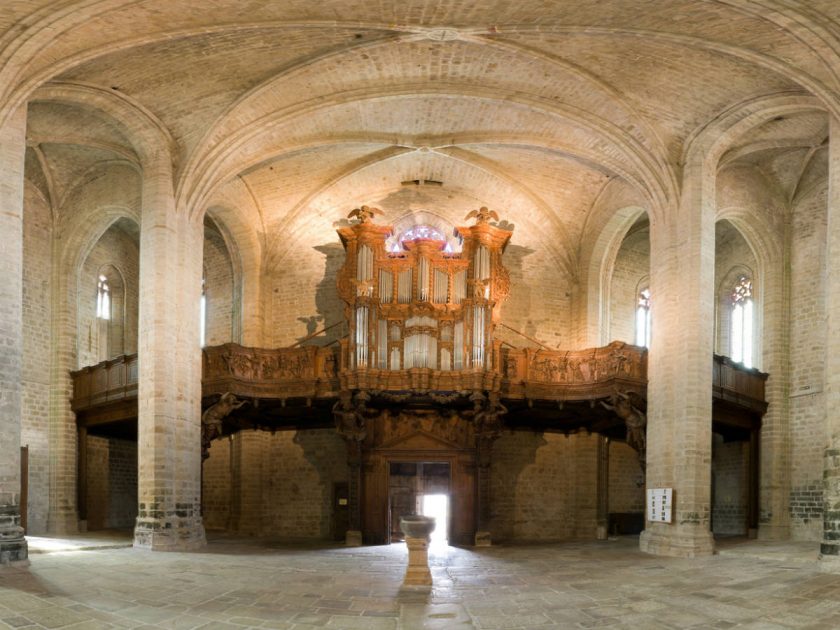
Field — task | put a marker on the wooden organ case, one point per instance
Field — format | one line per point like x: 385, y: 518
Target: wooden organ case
x: 420, y: 373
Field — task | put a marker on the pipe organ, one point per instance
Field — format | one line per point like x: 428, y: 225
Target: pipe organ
x: 422, y: 307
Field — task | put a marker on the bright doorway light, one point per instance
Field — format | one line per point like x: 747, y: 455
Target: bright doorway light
x: 437, y: 506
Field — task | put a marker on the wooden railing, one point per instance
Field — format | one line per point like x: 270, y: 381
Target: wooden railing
x: 316, y: 372
x: 108, y: 382
x: 738, y: 385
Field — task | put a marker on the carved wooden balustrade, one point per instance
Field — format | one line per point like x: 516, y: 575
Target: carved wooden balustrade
x: 106, y: 391
x: 311, y: 374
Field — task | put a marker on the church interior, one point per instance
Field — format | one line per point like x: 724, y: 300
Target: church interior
x: 557, y: 274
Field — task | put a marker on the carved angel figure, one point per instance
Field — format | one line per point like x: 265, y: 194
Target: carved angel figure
x: 482, y: 215
x: 364, y: 214
x: 211, y: 419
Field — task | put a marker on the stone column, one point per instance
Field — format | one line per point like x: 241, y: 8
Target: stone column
x: 13, y: 548
x: 774, y: 474
x: 169, y: 388
x: 679, y: 429
x: 830, y: 546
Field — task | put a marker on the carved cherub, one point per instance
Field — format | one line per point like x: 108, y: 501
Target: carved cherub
x: 364, y: 214
x: 482, y: 215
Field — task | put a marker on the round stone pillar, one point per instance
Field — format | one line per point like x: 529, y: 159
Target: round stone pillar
x: 679, y: 429
x: 830, y: 545
x: 169, y: 386
x: 13, y: 547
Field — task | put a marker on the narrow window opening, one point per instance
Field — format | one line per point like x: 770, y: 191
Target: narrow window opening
x: 643, y: 318
x: 741, y: 325
x: 103, y: 298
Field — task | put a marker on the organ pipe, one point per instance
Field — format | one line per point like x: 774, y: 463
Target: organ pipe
x: 404, y: 286
x: 386, y: 286
x: 382, y: 344
x: 423, y: 280
x: 458, y: 346
x: 441, y: 292
x: 361, y: 336
x: 459, y: 287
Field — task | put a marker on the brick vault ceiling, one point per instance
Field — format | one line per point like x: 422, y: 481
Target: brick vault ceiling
x: 531, y: 107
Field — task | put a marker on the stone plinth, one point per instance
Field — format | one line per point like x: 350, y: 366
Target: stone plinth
x: 13, y: 546
x: 417, y: 530
x: 353, y: 538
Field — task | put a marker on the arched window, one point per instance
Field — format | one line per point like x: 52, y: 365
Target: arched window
x: 203, y: 322
x: 741, y: 322
x: 103, y: 298
x: 643, y: 318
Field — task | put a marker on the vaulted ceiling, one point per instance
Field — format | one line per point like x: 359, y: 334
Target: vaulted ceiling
x: 302, y: 110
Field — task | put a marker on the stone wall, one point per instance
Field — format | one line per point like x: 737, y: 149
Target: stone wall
x: 544, y: 486
x: 627, y: 481
x: 216, y: 486
x: 278, y: 485
x: 807, y: 364
x: 218, y: 289
x: 119, y: 249
x: 112, y: 483
x: 733, y: 257
x: 632, y: 265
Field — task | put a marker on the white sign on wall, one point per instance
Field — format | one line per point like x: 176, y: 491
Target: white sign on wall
x: 659, y: 502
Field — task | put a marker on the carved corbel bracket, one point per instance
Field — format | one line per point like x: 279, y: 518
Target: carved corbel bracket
x: 211, y: 420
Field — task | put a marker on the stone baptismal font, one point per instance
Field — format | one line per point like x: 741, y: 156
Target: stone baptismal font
x: 417, y: 530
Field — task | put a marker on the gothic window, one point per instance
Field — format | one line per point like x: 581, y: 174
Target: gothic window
x: 103, y: 298
x: 741, y: 322
x: 643, y: 318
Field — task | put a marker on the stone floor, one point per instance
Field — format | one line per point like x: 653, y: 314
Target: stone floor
x: 238, y: 583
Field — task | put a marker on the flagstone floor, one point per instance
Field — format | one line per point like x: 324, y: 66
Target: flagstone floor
x: 235, y: 584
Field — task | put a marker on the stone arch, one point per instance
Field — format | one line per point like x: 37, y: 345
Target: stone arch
x: 599, y: 267
x: 245, y: 249
x: 149, y: 137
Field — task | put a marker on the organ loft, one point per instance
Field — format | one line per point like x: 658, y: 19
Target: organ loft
x: 420, y: 387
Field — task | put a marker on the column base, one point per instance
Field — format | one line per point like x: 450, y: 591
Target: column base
x: 677, y: 543
x: 14, y: 550
x: 483, y: 539
x: 353, y: 538
x: 601, y: 532
x: 829, y: 560
x: 176, y: 534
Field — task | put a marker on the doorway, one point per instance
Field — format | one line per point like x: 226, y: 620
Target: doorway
x: 419, y: 488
